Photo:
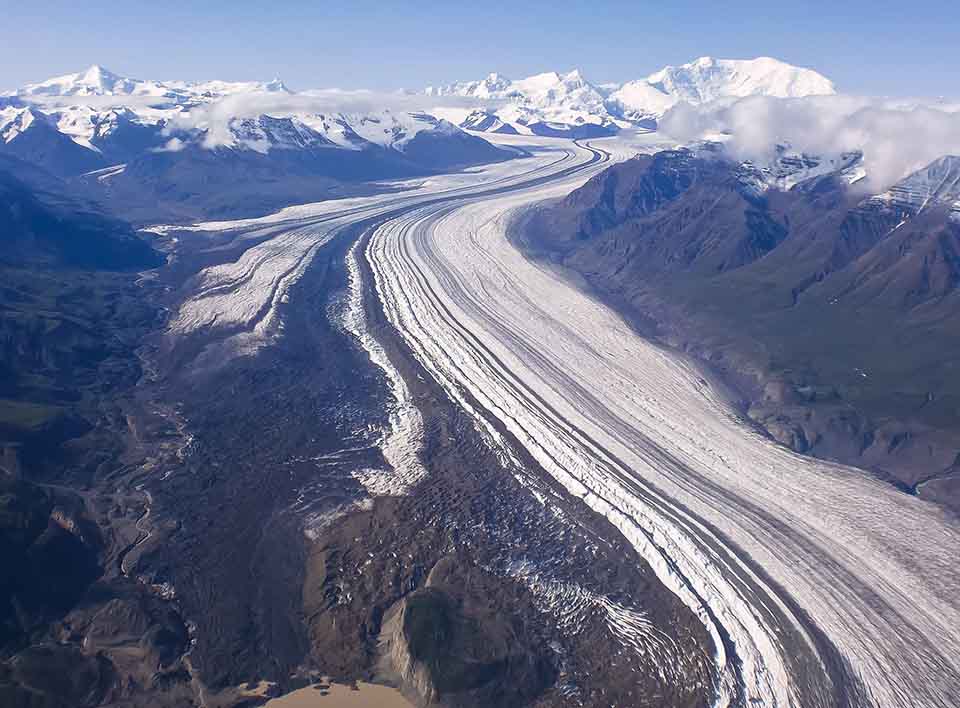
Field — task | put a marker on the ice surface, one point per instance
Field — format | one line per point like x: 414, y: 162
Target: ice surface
x: 643, y: 437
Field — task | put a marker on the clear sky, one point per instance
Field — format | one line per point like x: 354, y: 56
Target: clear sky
x: 876, y: 47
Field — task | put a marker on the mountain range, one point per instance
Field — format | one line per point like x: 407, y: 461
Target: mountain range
x: 173, y: 150
x: 569, y: 105
x: 98, y: 81
x: 152, y: 148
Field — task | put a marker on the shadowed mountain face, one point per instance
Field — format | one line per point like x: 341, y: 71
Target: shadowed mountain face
x: 49, y: 229
x: 47, y: 564
x: 196, y: 182
x: 68, y: 310
x: 42, y: 145
x: 434, y: 150
x: 834, y: 311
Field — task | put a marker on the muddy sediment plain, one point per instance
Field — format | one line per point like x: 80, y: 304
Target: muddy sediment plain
x: 333, y: 695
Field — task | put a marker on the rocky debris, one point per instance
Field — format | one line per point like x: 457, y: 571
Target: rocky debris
x: 455, y: 642
x: 537, y: 571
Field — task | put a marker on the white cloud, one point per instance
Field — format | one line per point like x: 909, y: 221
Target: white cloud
x: 896, y: 137
x: 172, y: 145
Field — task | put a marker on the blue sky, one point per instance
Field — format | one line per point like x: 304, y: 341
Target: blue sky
x: 868, y: 47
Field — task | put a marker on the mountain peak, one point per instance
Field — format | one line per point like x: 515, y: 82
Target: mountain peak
x: 94, y: 80
x: 276, y: 85
x: 708, y: 78
x: 570, y: 99
x: 14, y: 121
x: 96, y: 75
x: 97, y: 80
x: 543, y: 79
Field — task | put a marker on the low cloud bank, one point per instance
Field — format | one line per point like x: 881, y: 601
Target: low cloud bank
x: 896, y: 137
x: 215, y: 117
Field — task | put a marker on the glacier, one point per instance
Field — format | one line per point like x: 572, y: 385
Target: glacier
x: 771, y: 549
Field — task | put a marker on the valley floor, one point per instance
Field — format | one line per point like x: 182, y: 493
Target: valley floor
x: 809, y: 579
x: 383, y: 445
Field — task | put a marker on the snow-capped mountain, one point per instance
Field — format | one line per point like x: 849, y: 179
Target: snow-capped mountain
x: 94, y: 81
x: 555, y: 103
x: 396, y: 130
x: 186, y: 150
x: 14, y: 120
x: 28, y: 134
x: 383, y: 129
x: 494, y: 86
x: 788, y: 169
x: 707, y: 79
x: 97, y: 81
x: 115, y: 119
x: 546, y: 104
x: 70, y: 140
x: 936, y: 185
x: 165, y: 107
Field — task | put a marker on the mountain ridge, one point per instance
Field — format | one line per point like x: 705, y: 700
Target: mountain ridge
x: 99, y: 81
x: 571, y: 100
x: 151, y: 149
x: 829, y: 309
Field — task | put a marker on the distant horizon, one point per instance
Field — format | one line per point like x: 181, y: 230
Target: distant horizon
x: 863, y: 49
x: 561, y: 71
